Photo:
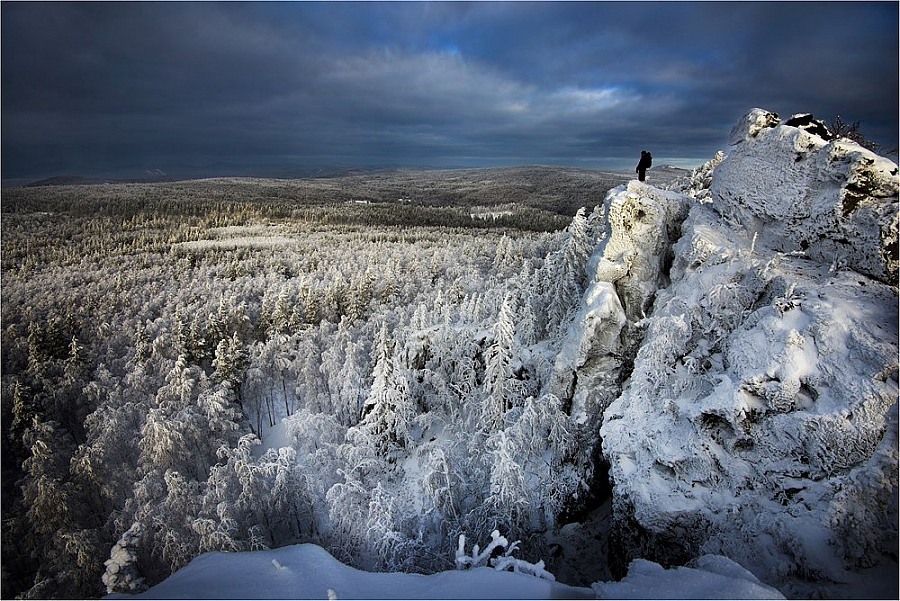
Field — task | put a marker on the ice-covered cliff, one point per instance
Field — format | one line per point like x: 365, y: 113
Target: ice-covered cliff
x: 758, y: 419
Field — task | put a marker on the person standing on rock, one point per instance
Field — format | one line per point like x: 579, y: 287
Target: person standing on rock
x: 644, y: 164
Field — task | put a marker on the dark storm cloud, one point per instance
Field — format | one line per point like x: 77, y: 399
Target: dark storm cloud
x: 105, y: 87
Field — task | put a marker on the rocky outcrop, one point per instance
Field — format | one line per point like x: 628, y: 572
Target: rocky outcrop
x: 642, y: 223
x: 756, y: 421
x: 800, y: 191
x: 624, y: 273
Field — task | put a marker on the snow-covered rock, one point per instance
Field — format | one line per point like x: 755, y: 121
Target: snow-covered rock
x: 757, y: 422
x: 831, y: 199
x: 624, y: 273
x: 642, y: 222
x: 589, y: 353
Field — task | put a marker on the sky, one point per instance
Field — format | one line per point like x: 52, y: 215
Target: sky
x: 192, y: 89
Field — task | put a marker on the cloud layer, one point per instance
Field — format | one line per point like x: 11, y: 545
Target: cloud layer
x: 105, y: 88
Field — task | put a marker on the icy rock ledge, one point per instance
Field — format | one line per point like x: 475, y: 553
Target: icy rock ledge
x: 759, y: 420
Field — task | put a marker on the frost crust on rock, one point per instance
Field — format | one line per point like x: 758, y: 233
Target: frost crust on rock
x: 833, y: 200
x: 624, y: 273
x: 759, y: 421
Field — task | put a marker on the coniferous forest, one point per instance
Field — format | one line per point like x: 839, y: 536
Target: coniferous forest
x: 228, y: 365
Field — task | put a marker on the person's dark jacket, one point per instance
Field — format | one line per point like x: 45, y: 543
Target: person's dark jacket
x: 645, y: 162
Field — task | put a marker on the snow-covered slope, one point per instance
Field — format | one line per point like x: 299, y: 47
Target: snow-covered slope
x: 309, y: 572
x: 759, y: 421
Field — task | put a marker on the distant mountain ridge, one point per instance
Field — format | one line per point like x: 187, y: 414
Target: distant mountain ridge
x: 661, y: 175
x: 560, y: 190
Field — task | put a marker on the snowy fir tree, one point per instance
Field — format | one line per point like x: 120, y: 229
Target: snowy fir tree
x: 122, y: 575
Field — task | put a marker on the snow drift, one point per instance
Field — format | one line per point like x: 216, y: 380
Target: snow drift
x: 759, y: 420
x: 309, y: 572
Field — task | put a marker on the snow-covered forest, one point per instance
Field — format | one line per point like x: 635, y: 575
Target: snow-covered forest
x: 240, y: 365
x: 236, y: 365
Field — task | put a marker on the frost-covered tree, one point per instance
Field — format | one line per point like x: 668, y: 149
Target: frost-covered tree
x: 698, y: 183
x: 107, y: 462
x: 564, y: 271
x: 280, y: 319
x: 508, y: 499
x: 528, y: 325
x: 342, y: 367
x: 390, y: 547
x: 231, y: 363
x: 172, y: 520
x: 441, y: 484
x: 348, y: 511
x: 181, y: 336
x: 222, y: 522
x: 270, y: 385
x: 273, y: 498
x: 142, y: 344
x: 502, y: 387
x: 180, y: 389
x: 162, y: 443
x: 223, y: 418
x: 388, y: 410
x: 76, y: 364
x: 46, y: 492
x: 53, y: 510
x: 544, y: 436
x: 25, y: 409
x: 122, y: 574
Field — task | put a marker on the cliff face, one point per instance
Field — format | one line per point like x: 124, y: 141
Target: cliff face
x: 625, y: 271
x: 758, y: 417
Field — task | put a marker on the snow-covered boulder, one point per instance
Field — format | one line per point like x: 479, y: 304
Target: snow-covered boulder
x: 757, y: 422
x: 797, y: 191
x: 751, y: 124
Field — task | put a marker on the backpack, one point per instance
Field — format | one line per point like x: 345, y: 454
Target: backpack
x: 649, y: 160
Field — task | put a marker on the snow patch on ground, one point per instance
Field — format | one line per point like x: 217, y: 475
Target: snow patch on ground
x: 309, y: 572
x: 708, y: 577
